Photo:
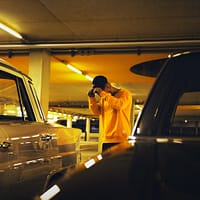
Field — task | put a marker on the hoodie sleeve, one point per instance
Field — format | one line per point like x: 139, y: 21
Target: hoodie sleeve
x: 94, y: 106
x: 119, y: 101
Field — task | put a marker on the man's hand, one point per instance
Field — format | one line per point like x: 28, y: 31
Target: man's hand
x: 91, y: 93
x: 97, y: 90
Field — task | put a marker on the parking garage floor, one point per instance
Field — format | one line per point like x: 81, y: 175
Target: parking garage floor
x: 88, y: 149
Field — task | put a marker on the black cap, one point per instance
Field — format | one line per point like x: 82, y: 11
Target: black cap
x: 99, y: 81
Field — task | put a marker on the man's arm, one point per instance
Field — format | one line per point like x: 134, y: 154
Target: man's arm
x: 117, y: 103
x: 94, y: 106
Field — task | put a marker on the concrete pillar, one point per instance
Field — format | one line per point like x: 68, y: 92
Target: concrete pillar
x: 69, y: 121
x: 100, y: 143
x: 39, y: 71
x: 87, y: 130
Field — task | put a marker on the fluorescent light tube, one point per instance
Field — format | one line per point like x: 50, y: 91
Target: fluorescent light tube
x: 74, y: 69
x: 88, y: 77
x: 10, y: 31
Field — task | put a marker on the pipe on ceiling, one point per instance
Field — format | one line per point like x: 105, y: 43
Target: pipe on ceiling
x: 99, y: 48
x: 165, y: 43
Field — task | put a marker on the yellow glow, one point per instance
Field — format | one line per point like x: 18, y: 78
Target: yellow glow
x: 139, y: 107
x: 179, y: 141
x: 31, y: 161
x: 33, y: 136
x: 50, y: 193
x: 56, y: 157
x: 162, y: 140
x: 188, y: 107
x: 17, y: 164
x: 131, y: 137
x: 178, y: 54
x: 99, y: 157
x: 25, y: 137
x: 88, y: 77
x: 40, y: 159
x: 74, y: 69
x: 138, y: 130
x: 89, y: 163
x: 132, y: 140
x: 10, y: 31
x: 15, y: 138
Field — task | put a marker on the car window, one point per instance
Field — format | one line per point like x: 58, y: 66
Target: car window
x: 34, y: 94
x: 13, y: 101
x: 9, y: 100
x: 186, y: 121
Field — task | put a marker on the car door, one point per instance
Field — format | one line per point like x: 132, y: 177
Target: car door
x: 7, y: 174
x: 171, y: 115
x: 178, y: 155
x: 23, y: 156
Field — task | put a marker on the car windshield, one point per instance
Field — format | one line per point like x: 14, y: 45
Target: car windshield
x: 174, y: 103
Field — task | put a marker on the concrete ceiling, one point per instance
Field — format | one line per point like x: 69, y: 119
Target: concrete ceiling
x: 98, y: 37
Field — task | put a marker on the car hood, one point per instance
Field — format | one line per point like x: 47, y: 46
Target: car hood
x: 21, y: 130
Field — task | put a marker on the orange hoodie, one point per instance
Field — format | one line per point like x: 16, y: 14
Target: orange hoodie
x: 114, y: 112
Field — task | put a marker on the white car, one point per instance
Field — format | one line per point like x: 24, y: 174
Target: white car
x: 30, y: 148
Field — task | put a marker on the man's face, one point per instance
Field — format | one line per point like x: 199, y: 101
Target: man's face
x: 107, y: 88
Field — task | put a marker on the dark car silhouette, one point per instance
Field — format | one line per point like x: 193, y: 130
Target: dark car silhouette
x: 161, y: 160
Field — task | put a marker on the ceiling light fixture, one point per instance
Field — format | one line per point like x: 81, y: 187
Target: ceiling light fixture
x: 74, y: 69
x: 88, y: 77
x: 10, y: 31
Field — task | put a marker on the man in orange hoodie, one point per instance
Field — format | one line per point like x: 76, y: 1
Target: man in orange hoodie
x: 113, y: 108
